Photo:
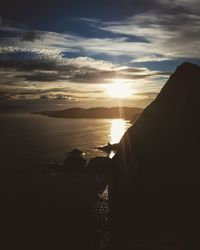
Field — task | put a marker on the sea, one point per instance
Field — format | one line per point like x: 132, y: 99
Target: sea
x: 28, y: 142
x: 30, y: 138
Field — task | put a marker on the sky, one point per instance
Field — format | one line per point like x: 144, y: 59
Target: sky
x: 61, y: 54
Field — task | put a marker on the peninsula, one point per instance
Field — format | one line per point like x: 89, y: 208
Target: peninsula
x: 127, y: 113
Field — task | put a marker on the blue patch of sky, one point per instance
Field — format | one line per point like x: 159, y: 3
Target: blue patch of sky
x: 168, y: 65
x: 73, y: 54
x: 49, y: 12
x: 90, y: 29
x: 8, y: 34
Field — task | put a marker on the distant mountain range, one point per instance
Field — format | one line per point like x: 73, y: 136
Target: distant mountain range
x: 126, y: 113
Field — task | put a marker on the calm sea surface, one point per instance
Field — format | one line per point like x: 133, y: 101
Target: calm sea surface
x: 28, y: 141
x: 25, y: 137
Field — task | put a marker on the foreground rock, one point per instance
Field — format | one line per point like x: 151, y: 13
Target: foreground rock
x: 100, y: 165
x: 108, y: 148
x: 158, y: 163
x: 100, y: 172
x: 74, y: 162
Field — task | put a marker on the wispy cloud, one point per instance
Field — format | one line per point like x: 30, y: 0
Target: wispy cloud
x: 160, y: 35
x: 50, y: 65
x: 169, y: 36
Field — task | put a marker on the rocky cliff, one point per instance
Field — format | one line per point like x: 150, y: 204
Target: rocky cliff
x: 158, y: 161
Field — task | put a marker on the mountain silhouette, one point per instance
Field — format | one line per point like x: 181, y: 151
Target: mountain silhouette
x: 128, y: 113
x: 157, y: 166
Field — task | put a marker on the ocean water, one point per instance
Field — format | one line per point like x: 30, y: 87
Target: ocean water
x: 29, y: 141
x: 27, y: 138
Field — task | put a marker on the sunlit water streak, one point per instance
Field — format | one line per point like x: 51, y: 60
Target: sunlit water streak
x: 48, y: 139
x: 44, y: 139
x: 100, y: 211
x: 101, y: 207
x: 117, y: 129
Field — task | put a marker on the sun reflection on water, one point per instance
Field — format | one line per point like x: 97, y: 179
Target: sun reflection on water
x: 117, y: 130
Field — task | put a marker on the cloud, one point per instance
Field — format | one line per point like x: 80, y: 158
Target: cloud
x: 156, y: 35
x: 31, y: 36
x: 146, y: 95
x: 35, y: 94
x: 151, y: 58
x: 186, y: 5
x: 14, y: 32
x: 169, y: 36
x: 58, y: 97
x: 49, y: 66
x: 5, y: 96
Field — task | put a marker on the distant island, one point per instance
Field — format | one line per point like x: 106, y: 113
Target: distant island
x: 127, y: 113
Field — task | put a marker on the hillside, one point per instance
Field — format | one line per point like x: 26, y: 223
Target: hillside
x: 96, y: 113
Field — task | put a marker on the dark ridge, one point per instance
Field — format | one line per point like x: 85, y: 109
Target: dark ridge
x: 157, y: 163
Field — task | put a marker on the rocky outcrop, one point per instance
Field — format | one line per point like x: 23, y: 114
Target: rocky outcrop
x: 157, y: 163
x: 108, y: 148
x: 74, y: 161
x: 100, y: 165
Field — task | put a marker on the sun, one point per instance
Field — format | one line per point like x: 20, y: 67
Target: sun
x: 118, y: 89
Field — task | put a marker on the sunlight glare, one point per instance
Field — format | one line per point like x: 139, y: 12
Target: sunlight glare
x: 118, y: 89
x: 117, y: 130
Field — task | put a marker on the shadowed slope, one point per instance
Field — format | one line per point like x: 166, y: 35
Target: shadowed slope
x: 158, y: 164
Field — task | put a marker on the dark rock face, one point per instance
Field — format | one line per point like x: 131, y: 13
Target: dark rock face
x: 158, y: 160
x: 100, y: 165
x: 100, y: 171
x: 74, y: 161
